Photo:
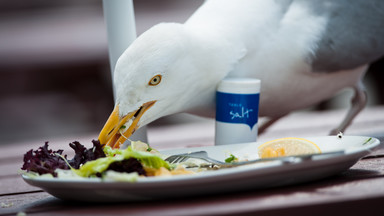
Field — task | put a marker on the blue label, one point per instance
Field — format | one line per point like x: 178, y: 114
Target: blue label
x: 237, y: 108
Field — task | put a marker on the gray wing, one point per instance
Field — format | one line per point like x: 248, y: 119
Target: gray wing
x: 354, y: 34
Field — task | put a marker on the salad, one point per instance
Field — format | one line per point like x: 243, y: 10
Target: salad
x: 99, y: 161
x: 137, y: 161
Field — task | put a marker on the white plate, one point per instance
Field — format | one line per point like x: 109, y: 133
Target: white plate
x: 257, y: 176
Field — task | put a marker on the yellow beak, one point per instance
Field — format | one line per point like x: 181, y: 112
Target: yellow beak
x: 111, y: 134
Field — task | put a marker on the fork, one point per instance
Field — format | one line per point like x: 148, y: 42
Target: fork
x: 213, y: 163
x: 202, y: 155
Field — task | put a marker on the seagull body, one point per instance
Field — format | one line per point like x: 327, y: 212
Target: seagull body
x: 302, y: 51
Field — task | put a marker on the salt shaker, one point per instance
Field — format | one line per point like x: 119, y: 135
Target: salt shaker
x: 237, y: 109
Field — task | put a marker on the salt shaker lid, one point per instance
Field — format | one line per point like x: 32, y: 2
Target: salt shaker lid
x: 239, y: 85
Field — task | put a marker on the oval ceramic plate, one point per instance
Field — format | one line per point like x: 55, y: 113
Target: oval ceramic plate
x: 255, y: 176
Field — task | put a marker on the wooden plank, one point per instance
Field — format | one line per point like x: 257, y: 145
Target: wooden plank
x: 363, y: 181
x: 201, y: 133
x: 300, y: 124
x: 23, y: 41
x: 18, y: 149
x: 12, y: 169
x: 320, y: 195
x: 14, y: 185
x: 12, y: 204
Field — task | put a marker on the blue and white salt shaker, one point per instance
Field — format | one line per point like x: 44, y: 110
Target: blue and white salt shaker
x: 237, y: 110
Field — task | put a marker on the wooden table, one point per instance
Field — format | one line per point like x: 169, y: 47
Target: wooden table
x: 357, y: 191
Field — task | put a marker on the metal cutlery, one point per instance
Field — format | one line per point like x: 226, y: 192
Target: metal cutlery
x: 213, y: 163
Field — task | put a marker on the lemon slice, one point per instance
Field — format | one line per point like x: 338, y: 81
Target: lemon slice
x: 287, y: 147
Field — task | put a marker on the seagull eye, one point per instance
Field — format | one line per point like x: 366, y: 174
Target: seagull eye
x: 155, y: 80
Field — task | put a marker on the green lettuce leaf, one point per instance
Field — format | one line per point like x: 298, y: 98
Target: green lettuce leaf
x: 146, y: 158
x: 100, y: 165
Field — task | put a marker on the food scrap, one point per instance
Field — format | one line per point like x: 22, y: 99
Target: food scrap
x: 231, y: 158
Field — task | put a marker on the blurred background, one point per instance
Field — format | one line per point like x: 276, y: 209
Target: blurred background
x: 54, y: 67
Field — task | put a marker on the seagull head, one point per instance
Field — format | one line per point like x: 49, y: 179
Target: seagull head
x: 167, y: 70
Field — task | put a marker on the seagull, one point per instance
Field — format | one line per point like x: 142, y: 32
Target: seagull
x: 302, y: 51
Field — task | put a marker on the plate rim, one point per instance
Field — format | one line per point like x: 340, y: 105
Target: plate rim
x: 231, y: 171
x: 49, y: 184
